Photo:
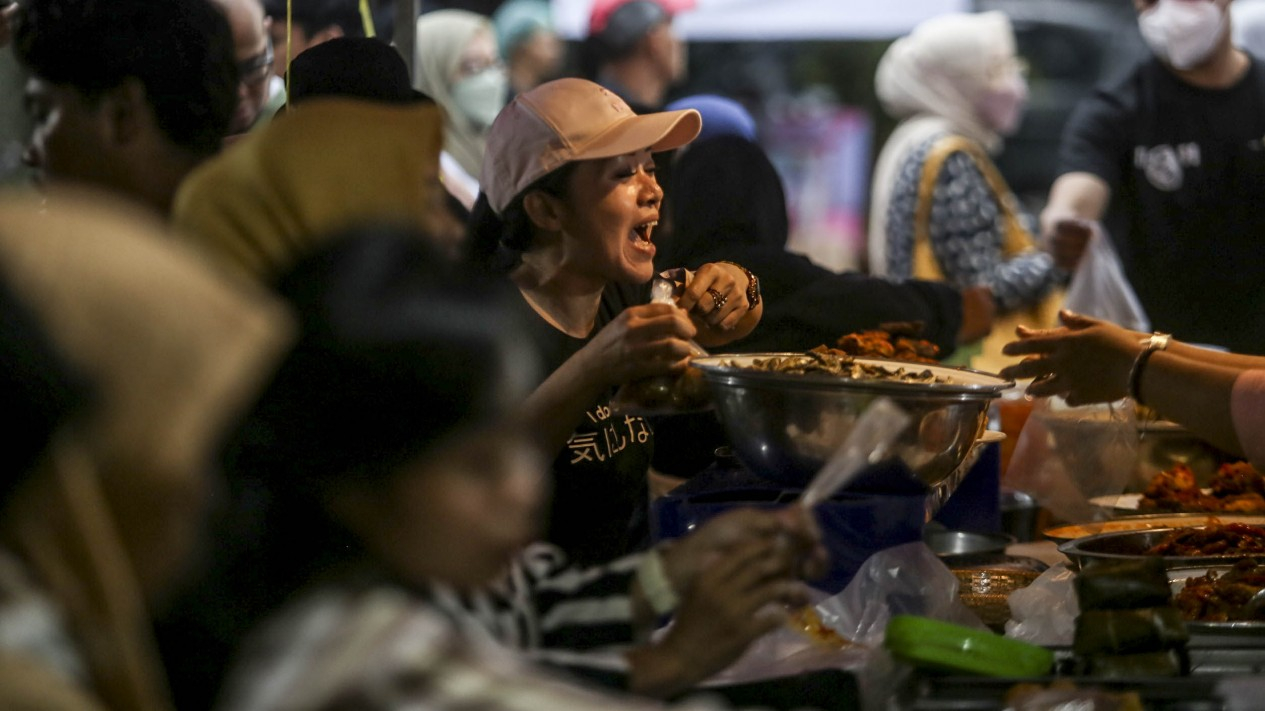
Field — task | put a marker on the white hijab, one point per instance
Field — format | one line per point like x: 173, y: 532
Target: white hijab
x: 933, y: 80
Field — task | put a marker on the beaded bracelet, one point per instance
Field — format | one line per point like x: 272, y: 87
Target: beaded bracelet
x: 1155, y: 342
x: 753, y: 285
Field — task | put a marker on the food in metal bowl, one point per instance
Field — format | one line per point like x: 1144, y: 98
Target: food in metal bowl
x: 1160, y: 543
x: 1215, y: 539
x: 829, y: 361
x: 1223, y: 596
x: 785, y: 425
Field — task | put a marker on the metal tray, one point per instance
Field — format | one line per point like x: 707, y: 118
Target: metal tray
x: 1129, y: 545
x: 1071, y: 532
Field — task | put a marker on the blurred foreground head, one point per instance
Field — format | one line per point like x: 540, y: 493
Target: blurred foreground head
x: 171, y: 352
x: 356, y: 144
x: 386, y: 437
x: 127, y: 95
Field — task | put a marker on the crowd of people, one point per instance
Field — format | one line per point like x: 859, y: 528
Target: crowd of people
x: 314, y: 358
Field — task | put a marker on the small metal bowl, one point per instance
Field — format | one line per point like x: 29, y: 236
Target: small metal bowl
x: 950, y: 544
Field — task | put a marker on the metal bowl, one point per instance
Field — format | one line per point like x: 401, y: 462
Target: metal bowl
x: 1129, y: 545
x: 953, y: 544
x: 784, y: 426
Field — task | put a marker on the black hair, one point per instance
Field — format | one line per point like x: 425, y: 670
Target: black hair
x: 495, y: 243
x: 181, y: 51
x: 312, y: 16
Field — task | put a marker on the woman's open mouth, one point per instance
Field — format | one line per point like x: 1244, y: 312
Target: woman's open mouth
x: 641, y: 235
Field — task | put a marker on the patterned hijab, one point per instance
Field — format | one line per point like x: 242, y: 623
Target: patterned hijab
x: 933, y: 79
x: 172, y: 353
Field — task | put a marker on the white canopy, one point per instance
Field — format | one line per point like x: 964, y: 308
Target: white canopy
x: 781, y: 19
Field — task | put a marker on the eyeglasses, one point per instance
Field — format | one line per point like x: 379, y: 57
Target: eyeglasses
x: 256, y: 69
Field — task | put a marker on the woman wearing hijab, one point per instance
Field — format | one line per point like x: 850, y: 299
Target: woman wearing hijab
x: 459, y: 66
x: 940, y: 209
x: 728, y: 204
x: 103, y: 526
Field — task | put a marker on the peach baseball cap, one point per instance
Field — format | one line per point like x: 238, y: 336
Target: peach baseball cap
x: 570, y: 120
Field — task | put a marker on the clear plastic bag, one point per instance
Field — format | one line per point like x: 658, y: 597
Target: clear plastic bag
x: 904, y: 579
x: 1099, y: 287
x: 1067, y: 456
x: 665, y: 395
x: 1045, y: 612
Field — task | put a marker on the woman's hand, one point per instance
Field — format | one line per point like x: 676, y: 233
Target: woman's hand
x: 1086, y: 361
x: 643, y: 341
x: 1067, y: 241
x: 717, y: 295
x: 716, y: 300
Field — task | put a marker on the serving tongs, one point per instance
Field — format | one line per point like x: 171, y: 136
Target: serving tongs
x: 870, y: 442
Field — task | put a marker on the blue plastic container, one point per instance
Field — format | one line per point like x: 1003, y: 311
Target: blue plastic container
x: 854, y: 524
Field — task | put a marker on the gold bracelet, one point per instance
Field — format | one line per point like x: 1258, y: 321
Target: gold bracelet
x: 753, y: 285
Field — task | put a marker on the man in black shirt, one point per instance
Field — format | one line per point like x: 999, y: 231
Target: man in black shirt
x: 1177, y: 145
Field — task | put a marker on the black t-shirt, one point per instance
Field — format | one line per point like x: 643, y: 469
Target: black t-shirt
x: 600, y: 494
x: 1187, y: 168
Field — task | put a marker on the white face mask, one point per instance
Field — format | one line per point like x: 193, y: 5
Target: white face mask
x: 1001, y: 106
x: 1181, y: 32
x: 482, y: 96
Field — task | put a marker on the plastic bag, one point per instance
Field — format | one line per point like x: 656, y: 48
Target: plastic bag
x: 665, y: 395
x: 1045, y: 612
x: 904, y: 579
x: 1068, y: 456
x: 1099, y: 287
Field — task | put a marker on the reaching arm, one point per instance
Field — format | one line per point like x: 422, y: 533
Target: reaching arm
x: 1074, y: 196
x: 1090, y: 361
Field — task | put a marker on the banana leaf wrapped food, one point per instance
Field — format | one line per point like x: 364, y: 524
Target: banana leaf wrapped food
x: 1123, y: 585
x: 1129, y: 631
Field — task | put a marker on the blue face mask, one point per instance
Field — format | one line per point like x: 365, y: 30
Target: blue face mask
x: 482, y: 96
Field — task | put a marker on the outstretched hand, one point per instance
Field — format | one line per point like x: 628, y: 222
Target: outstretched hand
x: 1084, y: 361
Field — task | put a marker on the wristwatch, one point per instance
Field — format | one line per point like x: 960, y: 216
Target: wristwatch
x: 753, y: 285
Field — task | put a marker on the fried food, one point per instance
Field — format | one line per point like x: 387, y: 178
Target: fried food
x: 1216, y: 539
x: 1223, y: 598
x: 898, y: 341
x: 829, y: 361
x: 1236, y: 487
